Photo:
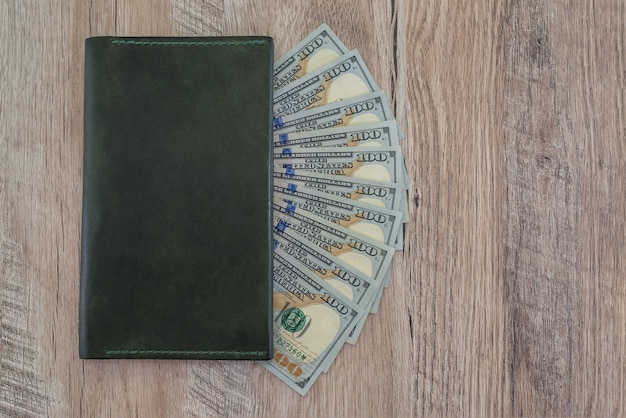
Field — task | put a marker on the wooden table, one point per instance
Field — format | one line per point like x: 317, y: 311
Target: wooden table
x: 509, y: 297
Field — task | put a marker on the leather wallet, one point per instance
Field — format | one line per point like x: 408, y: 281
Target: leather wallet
x: 176, y: 219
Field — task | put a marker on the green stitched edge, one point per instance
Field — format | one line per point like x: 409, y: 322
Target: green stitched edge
x: 188, y: 43
x: 113, y: 352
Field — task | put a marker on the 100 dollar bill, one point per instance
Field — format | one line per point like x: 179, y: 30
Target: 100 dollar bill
x: 311, y: 323
x: 368, y: 257
x: 342, y: 79
x: 377, y: 134
x: 332, y: 270
x: 369, y: 108
x: 373, y: 222
x: 383, y: 164
x: 387, y: 195
x: 316, y: 50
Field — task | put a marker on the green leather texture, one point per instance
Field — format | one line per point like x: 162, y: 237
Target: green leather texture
x: 176, y: 229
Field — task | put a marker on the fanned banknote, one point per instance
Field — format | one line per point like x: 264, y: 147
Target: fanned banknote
x: 310, y: 322
x: 387, y: 195
x: 372, y: 107
x: 316, y: 50
x: 341, y: 79
x: 378, y: 134
x: 339, y: 203
x: 376, y: 223
x: 383, y: 164
x: 343, y: 277
x: 368, y: 257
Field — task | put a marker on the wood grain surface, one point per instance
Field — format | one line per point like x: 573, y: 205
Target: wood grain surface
x: 509, y: 298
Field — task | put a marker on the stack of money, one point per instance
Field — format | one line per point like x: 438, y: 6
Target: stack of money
x: 339, y: 203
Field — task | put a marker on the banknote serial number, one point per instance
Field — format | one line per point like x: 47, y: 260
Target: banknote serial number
x: 289, y: 347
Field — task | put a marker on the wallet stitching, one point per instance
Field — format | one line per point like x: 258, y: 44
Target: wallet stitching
x: 113, y: 352
x: 188, y: 43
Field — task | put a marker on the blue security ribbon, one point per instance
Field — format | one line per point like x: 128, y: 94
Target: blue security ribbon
x: 289, y: 170
x: 281, y: 226
x: 278, y: 123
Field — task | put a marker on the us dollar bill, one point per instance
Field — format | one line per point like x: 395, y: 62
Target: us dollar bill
x: 376, y: 223
x: 387, y: 195
x: 377, y: 134
x: 342, y: 277
x: 369, y: 108
x: 311, y: 323
x: 383, y: 164
x: 342, y: 79
x: 368, y: 257
x: 316, y: 50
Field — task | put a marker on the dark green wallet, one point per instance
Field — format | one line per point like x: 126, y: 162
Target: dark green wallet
x: 176, y: 230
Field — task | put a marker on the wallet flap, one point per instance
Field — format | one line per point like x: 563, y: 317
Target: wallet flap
x: 176, y: 233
